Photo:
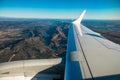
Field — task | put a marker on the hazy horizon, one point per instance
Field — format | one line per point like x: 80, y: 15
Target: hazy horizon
x: 61, y: 9
x: 4, y: 17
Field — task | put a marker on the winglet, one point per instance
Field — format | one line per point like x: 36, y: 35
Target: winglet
x: 79, y: 19
x: 77, y: 22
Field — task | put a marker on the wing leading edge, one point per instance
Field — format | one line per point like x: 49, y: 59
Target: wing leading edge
x: 96, y: 57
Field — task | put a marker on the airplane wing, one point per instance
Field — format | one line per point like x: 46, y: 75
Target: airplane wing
x: 90, y: 56
x: 28, y: 69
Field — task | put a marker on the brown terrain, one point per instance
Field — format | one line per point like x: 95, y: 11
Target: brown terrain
x: 21, y: 40
x: 38, y: 39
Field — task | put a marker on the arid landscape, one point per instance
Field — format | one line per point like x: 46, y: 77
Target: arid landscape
x: 35, y: 39
x: 22, y: 39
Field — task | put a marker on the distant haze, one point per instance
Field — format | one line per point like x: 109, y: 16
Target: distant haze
x: 60, y: 9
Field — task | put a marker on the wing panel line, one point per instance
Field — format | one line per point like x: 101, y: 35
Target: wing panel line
x: 84, y: 55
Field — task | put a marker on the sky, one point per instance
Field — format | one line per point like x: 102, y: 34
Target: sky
x: 60, y: 9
